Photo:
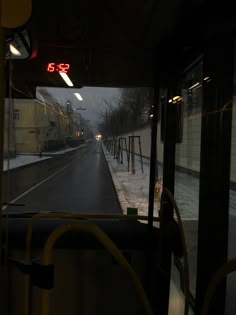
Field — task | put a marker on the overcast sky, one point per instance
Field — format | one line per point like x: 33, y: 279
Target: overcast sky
x: 93, y: 99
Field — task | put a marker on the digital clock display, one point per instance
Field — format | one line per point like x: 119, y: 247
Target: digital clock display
x: 58, y: 67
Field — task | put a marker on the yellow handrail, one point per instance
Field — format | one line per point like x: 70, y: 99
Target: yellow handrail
x: 60, y: 215
x: 109, y: 246
x: 63, y: 216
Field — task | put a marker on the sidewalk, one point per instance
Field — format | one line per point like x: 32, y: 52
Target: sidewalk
x: 133, y: 189
x: 26, y: 159
x: 22, y: 160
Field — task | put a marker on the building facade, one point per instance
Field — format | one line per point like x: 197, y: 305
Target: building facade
x: 39, y: 126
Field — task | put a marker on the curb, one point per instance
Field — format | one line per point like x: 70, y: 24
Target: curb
x: 120, y: 193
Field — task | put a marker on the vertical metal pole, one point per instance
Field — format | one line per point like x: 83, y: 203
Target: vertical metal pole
x: 140, y: 153
x: 115, y: 148
x: 166, y: 213
x: 153, y: 159
x: 126, y: 149
x: 132, y: 155
x: 129, y: 155
x: 121, y: 150
x: 2, y: 96
x: 118, y: 151
x: 152, y: 176
x: 215, y: 168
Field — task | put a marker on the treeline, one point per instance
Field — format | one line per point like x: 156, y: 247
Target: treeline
x: 131, y: 111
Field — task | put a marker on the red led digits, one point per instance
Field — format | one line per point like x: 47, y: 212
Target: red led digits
x: 63, y: 67
x: 66, y: 67
x: 51, y: 67
x: 58, y: 67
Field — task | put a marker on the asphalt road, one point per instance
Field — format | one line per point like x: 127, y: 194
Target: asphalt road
x: 84, y: 185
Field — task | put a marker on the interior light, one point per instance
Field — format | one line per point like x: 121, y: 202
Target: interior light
x: 78, y: 96
x: 176, y: 97
x: 66, y: 78
x: 151, y: 115
x: 14, y: 50
x: 206, y: 78
x: 193, y: 86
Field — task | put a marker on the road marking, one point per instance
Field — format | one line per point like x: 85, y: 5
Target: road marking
x: 35, y: 186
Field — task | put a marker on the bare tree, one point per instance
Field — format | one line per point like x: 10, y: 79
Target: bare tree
x: 131, y: 111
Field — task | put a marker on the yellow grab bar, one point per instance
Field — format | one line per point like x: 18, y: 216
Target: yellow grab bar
x: 60, y: 215
x: 75, y: 216
x: 93, y: 229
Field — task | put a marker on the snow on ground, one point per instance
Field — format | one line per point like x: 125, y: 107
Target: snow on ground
x: 21, y: 160
x: 25, y: 159
x: 132, y: 189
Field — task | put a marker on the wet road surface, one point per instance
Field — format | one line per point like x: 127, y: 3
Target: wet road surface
x: 83, y: 186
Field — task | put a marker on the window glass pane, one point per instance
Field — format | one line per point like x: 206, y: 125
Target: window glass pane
x: 188, y: 164
x: 66, y: 143
x: 231, y: 279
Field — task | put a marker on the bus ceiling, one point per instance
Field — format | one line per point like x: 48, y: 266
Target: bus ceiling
x: 113, y: 43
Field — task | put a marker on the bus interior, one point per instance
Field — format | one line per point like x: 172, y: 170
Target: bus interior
x: 132, y: 213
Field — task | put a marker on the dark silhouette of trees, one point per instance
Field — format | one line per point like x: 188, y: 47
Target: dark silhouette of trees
x: 128, y: 113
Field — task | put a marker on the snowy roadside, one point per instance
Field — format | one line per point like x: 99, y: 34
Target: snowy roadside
x: 26, y: 159
x: 133, y: 189
x: 22, y: 160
